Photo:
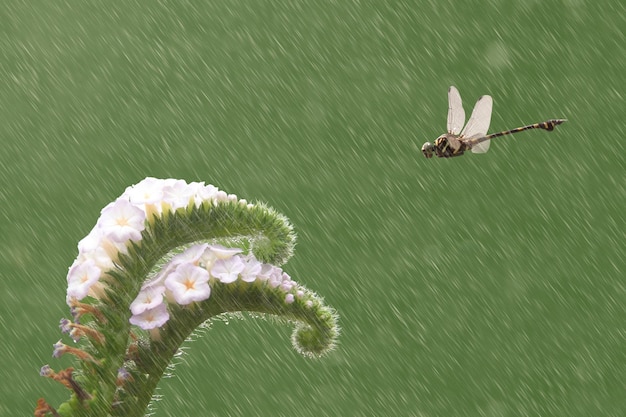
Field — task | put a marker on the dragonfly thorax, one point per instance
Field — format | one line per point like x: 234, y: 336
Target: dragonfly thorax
x: 449, y: 145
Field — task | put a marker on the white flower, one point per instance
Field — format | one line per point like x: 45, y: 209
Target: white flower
x: 222, y: 252
x: 158, y: 279
x: 220, y: 197
x: 80, y: 277
x: 251, y: 269
x: 202, y: 192
x: 100, y: 249
x: 191, y: 255
x: 216, y: 252
x: 147, y: 299
x: 286, y: 286
x: 272, y: 274
x: 188, y: 283
x: 228, y: 270
x: 179, y: 194
x: 100, y: 256
x: 121, y: 221
x: 266, y: 272
x: 208, y: 191
x: 148, y: 191
x: 151, y: 319
x: 90, y: 242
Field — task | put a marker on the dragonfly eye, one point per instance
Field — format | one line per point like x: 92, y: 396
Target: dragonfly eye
x: 427, y: 149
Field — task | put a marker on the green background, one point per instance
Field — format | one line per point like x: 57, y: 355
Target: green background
x: 486, y: 285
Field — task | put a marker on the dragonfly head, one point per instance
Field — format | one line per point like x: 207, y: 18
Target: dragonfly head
x: 428, y: 149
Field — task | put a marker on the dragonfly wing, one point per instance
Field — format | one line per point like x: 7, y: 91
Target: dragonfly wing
x: 456, y: 114
x: 478, y: 124
x: 481, y: 147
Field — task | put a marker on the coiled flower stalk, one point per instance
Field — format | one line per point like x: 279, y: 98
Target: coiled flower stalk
x: 164, y: 258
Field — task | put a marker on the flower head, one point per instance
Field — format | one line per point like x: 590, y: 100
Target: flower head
x: 188, y: 283
x: 191, y: 255
x: 286, y: 286
x: 252, y: 268
x: 90, y: 242
x: 147, y: 191
x: 267, y: 270
x: 46, y: 371
x: 179, y: 194
x: 147, y: 299
x: 80, y: 278
x: 65, y: 326
x: 204, y: 192
x: 275, y: 276
x: 59, y: 349
x: 220, y: 197
x: 151, y: 319
x: 121, y: 221
x: 228, y: 270
x: 222, y: 252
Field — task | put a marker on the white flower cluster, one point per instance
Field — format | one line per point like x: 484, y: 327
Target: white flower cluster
x: 188, y: 276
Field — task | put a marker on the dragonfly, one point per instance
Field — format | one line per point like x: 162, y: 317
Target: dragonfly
x: 474, y: 136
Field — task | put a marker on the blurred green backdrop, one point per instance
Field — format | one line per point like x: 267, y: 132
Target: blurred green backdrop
x: 487, y: 285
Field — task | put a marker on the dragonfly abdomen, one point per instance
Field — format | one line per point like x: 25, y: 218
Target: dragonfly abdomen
x: 547, y: 125
x: 550, y: 124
